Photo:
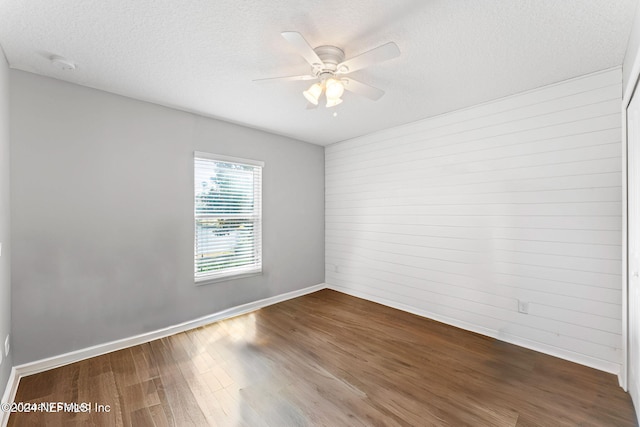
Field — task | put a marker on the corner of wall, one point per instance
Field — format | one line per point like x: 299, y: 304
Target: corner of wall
x: 6, y: 363
x: 631, y: 62
x: 630, y: 77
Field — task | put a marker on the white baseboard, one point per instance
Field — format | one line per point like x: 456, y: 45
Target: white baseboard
x: 581, y: 359
x: 30, y: 368
x: 634, y: 391
x: 9, y: 395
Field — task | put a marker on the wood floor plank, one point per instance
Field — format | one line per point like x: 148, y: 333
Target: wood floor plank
x: 328, y: 359
x: 165, y: 405
x: 159, y: 417
x: 184, y: 408
x: 145, y: 365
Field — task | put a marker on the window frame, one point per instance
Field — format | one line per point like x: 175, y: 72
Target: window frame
x: 233, y: 272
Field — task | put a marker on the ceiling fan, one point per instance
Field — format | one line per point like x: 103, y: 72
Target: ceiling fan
x: 329, y: 68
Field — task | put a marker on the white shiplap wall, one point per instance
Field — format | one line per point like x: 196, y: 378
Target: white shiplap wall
x: 457, y: 217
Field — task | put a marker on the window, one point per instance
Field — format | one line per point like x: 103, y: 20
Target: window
x: 228, y: 217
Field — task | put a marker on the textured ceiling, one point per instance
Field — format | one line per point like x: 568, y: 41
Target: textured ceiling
x: 202, y: 55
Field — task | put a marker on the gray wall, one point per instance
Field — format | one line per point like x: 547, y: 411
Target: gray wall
x: 102, y: 209
x: 5, y: 276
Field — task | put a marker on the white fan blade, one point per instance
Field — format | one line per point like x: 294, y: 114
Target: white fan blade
x: 288, y: 78
x: 303, y: 48
x: 362, y: 89
x: 380, y: 54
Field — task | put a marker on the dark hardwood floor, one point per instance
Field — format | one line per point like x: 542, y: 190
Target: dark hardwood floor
x: 328, y: 359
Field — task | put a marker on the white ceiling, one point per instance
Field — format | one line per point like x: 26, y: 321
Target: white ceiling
x: 202, y: 55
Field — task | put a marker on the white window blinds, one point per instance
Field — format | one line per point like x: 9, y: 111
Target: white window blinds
x: 228, y: 216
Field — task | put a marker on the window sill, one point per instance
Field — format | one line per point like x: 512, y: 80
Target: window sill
x: 214, y: 279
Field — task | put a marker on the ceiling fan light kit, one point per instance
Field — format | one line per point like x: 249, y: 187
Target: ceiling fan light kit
x: 333, y: 102
x: 333, y: 89
x: 313, y: 93
x: 328, y: 64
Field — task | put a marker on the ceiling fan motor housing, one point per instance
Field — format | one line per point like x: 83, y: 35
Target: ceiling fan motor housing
x: 331, y: 56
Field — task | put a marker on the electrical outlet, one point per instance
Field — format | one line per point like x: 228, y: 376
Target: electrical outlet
x: 523, y: 307
x: 6, y: 345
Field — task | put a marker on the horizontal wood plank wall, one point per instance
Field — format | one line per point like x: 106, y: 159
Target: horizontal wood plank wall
x: 458, y: 216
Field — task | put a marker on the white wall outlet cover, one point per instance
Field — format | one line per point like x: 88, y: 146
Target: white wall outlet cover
x: 523, y: 307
